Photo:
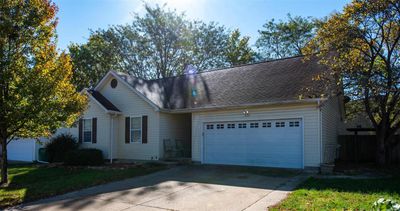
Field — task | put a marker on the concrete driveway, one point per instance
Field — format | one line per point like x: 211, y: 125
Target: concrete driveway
x: 182, y: 188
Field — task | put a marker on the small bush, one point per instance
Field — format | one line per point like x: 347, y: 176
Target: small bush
x: 84, y: 157
x: 59, y: 146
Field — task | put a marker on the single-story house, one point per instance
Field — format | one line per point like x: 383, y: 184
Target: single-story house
x: 255, y: 115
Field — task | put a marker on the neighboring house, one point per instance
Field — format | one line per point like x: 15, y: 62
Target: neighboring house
x: 246, y: 115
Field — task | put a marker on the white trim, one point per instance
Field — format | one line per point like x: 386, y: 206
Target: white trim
x: 130, y: 130
x: 202, y: 144
x: 216, y: 108
x: 83, y: 130
x: 112, y: 73
x: 319, y: 110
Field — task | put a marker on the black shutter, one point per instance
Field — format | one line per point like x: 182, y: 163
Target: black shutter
x: 144, y: 129
x: 80, y: 131
x: 94, y: 130
x: 127, y: 129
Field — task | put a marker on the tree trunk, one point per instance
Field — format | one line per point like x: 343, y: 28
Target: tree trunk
x: 380, y: 149
x: 4, y: 177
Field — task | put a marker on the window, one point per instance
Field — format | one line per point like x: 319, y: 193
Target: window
x: 266, y: 124
x: 87, y: 130
x: 136, y: 129
x: 114, y: 83
x: 242, y: 125
x: 294, y: 124
x: 210, y: 127
x: 280, y: 124
x: 254, y: 125
x: 231, y: 126
x: 220, y: 126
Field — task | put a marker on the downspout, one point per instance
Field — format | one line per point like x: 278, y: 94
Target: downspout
x: 320, y: 131
x: 111, y: 137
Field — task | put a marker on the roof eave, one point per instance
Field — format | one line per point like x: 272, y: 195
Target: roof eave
x: 285, y: 102
x: 85, y: 91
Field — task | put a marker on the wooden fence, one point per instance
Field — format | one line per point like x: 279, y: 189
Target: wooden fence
x: 362, y: 148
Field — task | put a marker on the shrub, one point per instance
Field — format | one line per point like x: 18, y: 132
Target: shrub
x: 84, y: 157
x: 59, y: 146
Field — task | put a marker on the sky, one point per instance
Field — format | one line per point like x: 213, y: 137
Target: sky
x: 78, y: 17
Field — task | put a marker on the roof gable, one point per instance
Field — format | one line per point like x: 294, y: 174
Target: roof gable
x: 124, y: 81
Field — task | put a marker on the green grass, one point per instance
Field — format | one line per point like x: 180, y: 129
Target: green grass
x: 340, y: 194
x: 27, y: 183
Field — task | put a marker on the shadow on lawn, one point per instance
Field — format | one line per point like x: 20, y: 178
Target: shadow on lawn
x: 134, y: 191
x: 387, y: 185
x: 32, y: 182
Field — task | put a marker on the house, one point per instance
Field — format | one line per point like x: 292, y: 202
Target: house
x: 246, y: 115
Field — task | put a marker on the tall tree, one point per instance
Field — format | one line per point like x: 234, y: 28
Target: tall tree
x: 36, y: 95
x: 159, y: 44
x: 286, y: 38
x: 238, y: 50
x: 361, y: 47
x: 94, y: 59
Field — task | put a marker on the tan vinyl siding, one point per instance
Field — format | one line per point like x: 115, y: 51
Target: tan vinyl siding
x: 309, y: 113
x: 330, y: 124
x: 174, y: 126
x: 103, y: 128
x: 130, y: 104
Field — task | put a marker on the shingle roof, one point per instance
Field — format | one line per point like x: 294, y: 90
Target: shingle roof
x: 264, y: 82
x: 103, y: 100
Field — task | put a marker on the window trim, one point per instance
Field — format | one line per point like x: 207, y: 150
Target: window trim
x: 83, y: 130
x: 131, y: 130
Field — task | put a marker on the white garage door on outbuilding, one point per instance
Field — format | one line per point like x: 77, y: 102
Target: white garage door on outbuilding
x: 22, y: 150
x: 268, y: 143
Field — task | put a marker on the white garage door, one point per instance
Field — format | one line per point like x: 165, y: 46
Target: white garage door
x: 21, y: 150
x: 270, y: 143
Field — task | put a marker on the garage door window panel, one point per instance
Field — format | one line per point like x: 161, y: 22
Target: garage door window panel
x: 231, y: 126
x: 280, y: 124
x: 254, y: 125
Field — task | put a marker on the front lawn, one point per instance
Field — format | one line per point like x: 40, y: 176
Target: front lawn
x: 341, y: 194
x: 33, y: 182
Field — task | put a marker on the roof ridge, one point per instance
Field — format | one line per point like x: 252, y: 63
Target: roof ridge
x: 225, y: 68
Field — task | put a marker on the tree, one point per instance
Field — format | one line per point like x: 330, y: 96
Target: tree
x: 238, y: 50
x: 159, y: 44
x: 36, y: 95
x: 92, y: 60
x: 361, y: 47
x: 284, y: 39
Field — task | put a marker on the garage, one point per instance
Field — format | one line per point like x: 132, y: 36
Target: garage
x: 268, y: 143
x: 22, y: 150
